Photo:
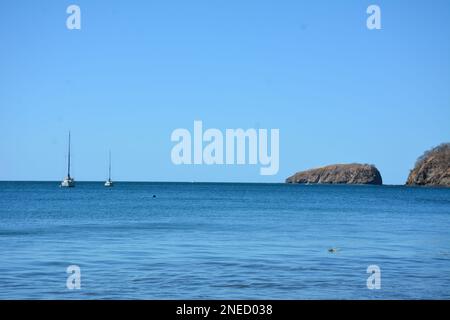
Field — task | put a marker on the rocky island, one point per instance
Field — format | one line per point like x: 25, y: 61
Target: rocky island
x: 354, y: 173
x: 432, y: 168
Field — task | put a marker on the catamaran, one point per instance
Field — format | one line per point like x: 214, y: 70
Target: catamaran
x: 109, y: 182
x: 68, y: 181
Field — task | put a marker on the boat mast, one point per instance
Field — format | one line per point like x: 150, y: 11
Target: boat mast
x: 68, y: 162
x: 109, y: 177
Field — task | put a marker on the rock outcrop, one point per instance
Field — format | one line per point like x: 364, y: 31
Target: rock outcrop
x: 339, y: 174
x: 432, y: 168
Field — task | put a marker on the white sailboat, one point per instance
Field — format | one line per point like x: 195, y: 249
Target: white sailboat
x: 68, y: 181
x: 109, y: 182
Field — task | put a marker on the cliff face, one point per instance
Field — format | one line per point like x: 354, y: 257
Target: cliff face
x: 339, y: 174
x: 432, y: 168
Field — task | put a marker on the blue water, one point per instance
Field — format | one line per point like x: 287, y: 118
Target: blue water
x: 230, y: 241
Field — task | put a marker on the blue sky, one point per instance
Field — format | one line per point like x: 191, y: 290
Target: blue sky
x: 137, y: 70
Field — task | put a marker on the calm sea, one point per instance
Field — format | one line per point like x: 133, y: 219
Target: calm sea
x: 223, y: 241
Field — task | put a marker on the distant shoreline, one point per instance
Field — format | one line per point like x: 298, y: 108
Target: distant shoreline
x: 216, y: 182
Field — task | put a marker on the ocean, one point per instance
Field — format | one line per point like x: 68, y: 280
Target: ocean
x: 223, y: 241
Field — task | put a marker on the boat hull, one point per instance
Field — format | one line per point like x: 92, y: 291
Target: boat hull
x: 109, y: 183
x: 68, y: 183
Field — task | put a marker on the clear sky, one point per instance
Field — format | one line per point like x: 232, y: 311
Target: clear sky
x: 137, y: 70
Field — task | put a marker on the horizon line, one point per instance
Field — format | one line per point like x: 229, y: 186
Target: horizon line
x: 192, y: 182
